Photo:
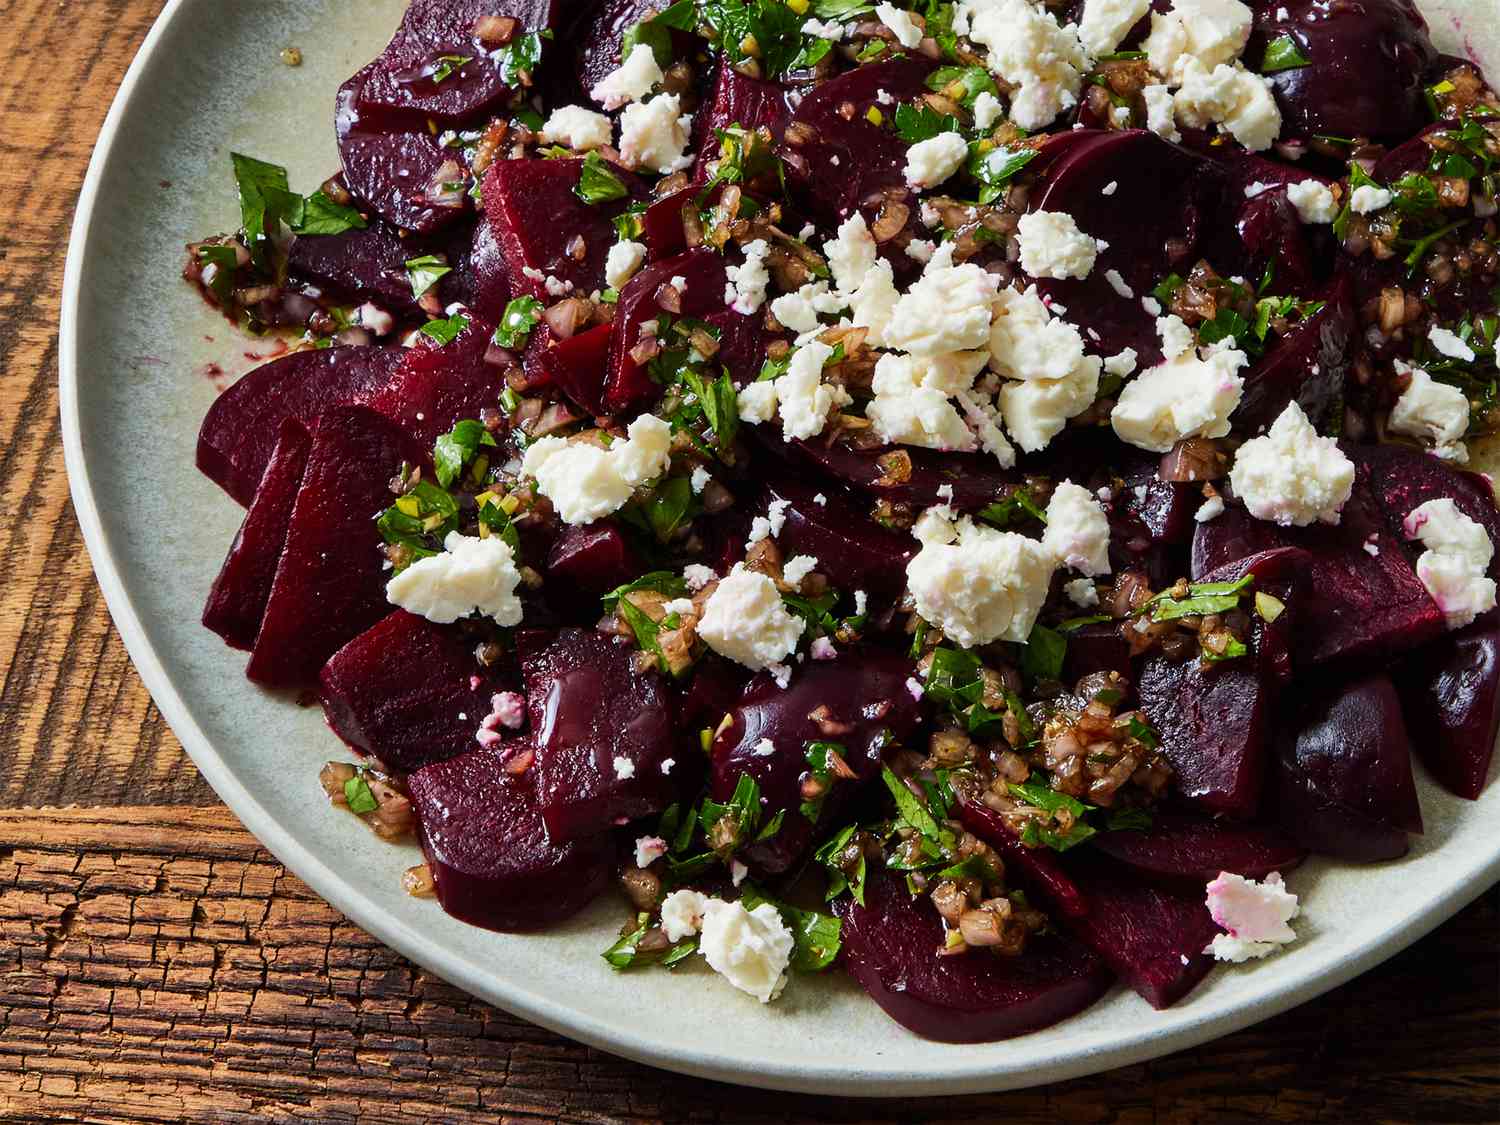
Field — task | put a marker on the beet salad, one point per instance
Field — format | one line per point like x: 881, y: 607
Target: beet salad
x: 969, y: 494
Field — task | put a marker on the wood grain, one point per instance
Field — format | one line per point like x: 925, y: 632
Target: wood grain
x: 157, y: 965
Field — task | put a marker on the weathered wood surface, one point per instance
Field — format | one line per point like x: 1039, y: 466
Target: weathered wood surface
x: 157, y: 965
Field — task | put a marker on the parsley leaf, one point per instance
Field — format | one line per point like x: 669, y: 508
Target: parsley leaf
x: 1283, y: 53
x: 321, y: 215
x: 425, y: 272
x: 816, y: 937
x: 1043, y: 655
x: 458, y: 446
x: 516, y: 323
x: 445, y: 329
x: 921, y: 123
x: 266, y: 203
x: 597, y: 183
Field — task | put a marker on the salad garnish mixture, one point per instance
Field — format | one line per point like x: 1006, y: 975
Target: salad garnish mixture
x: 965, y: 493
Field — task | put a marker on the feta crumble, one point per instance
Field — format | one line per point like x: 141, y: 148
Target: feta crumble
x: 649, y: 849
x: 1454, y: 568
x: 746, y: 290
x: 682, y: 914
x: 1053, y: 246
x: 585, y: 482
x: 1042, y: 60
x: 1186, y: 396
x: 1292, y: 476
x: 697, y: 576
x: 624, y: 767
x: 1313, y: 200
x: 745, y: 620
x: 1077, y: 533
x: 976, y: 583
x: 578, y: 128
x: 1082, y: 592
x: 1450, y: 344
x: 751, y: 949
x: 471, y: 575
x: 624, y: 259
x: 1106, y: 22
x: 907, y: 33
x: 931, y: 162
x: 654, y: 135
x: 636, y: 77
x: 946, y: 310
x: 1434, y: 412
x: 1366, y: 199
x: 803, y: 398
x: 798, y: 567
x: 1255, y: 914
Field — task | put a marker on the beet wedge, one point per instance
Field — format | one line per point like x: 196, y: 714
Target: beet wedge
x: 586, y: 562
x: 1037, y: 869
x: 330, y: 585
x: 492, y: 862
x: 438, y: 385
x: 854, y: 551
x: 1450, y: 693
x: 408, y: 691
x: 370, y: 265
x: 737, y: 100
x: 602, y: 730
x: 1307, y: 366
x: 244, y: 423
x: 861, y: 699
x: 1192, y: 850
x: 1152, y: 936
x: 891, y: 947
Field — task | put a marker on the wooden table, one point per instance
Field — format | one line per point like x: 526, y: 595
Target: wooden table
x: 158, y: 965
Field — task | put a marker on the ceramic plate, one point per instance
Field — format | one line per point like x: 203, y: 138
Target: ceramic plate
x: 135, y: 343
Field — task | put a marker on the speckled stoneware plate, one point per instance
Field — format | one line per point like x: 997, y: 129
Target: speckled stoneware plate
x: 135, y: 341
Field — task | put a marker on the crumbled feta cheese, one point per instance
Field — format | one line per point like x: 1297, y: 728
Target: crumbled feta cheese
x: 699, y: 480
x: 769, y: 525
x: 1106, y: 22
x: 578, y: 128
x: 372, y: 316
x: 822, y: 649
x: 1027, y: 342
x: 1291, y: 476
x: 1176, y: 337
x: 1122, y: 363
x: 682, y: 913
x: 1186, y: 396
x: 1117, y: 283
x: 1255, y: 914
x: 1161, y: 112
x: 930, y: 162
x: 1042, y: 61
x: 757, y: 402
x: 804, y: 398
x: 746, y: 290
x: 921, y: 250
x: 1450, y: 344
x: 983, y: 417
x: 654, y: 135
x: 910, y: 414
x: 850, y: 253
x: 1313, y: 200
x: 1082, y: 592
x: 622, y: 262
x: 1208, y: 32
x: 978, y: 584
x: 585, y: 482
x: 987, y: 110
x: 820, y: 500
x: 667, y: 764
x: 635, y: 78
x: 507, y: 709
x: 738, y: 872
x: 471, y: 575
x: 947, y: 309
x: 872, y: 305
x: 649, y: 849
x: 749, y: 948
x: 745, y: 620
x: 1432, y: 411
x: 1231, y: 96
x: 697, y: 576
x: 1036, y: 410
x: 1367, y: 199
x: 1454, y: 567
x: 907, y: 33
x: 1210, y: 509
x: 624, y: 767
x: 824, y: 29
x: 1053, y: 246
x: 1077, y: 534
x: 797, y: 310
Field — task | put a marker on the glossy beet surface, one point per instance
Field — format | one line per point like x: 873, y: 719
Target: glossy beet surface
x: 975, y: 479
x: 1191, y: 850
x: 890, y: 947
x: 596, y: 39
x: 852, y: 550
x: 736, y: 100
x: 370, y: 265
x: 863, y: 699
x: 585, y: 562
x: 1306, y: 366
x: 491, y: 859
x: 237, y: 601
x: 1450, y: 693
x: 1038, y: 869
x: 436, y: 386
x: 408, y: 691
x: 591, y: 710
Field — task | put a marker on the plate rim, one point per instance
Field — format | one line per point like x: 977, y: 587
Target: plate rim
x: 574, y: 1023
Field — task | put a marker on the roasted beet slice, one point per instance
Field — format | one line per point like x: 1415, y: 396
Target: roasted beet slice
x: 1152, y: 936
x: 1307, y: 366
x: 587, y: 561
x: 396, y: 166
x: 244, y: 423
x: 600, y: 32
x: 370, y: 265
x: 576, y: 366
x: 1037, y: 869
x: 237, y: 600
x: 1182, y: 190
x: 1451, y: 696
x: 1191, y: 850
x: 747, y: 102
x: 489, y: 275
x: 330, y: 585
x: 1366, y: 66
x: 837, y: 159
x: 1096, y: 647
x: 408, y: 691
x: 857, y: 698
x: 439, y: 67
x: 491, y: 858
x: 854, y: 551
x: 602, y: 729
x: 891, y: 947
x: 436, y: 386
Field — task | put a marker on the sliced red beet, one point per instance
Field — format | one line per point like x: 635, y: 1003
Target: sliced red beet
x: 1037, y: 869
x: 854, y: 551
x: 747, y: 102
x: 592, y: 709
x: 394, y: 164
x: 237, y: 600
x: 859, y: 697
x: 1096, y: 647
x: 576, y: 366
x: 420, y: 71
x: 244, y: 423
x: 370, y: 265
x: 599, y: 34
x: 1152, y: 936
x: 588, y: 561
x: 1153, y: 178
x: 1451, y: 696
x: 491, y: 858
x: 891, y: 947
x: 1307, y: 366
x: 436, y: 386
x: 408, y: 691
x: 330, y: 583
x: 1366, y: 66
x: 490, y: 287
x: 1192, y: 850
x: 836, y: 158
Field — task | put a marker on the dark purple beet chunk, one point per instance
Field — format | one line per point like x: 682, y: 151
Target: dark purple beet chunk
x: 491, y: 858
x: 330, y: 585
x: 576, y: 366
x: 737, y: 100
x: 437, y: 386
x: 1307, y: 366
x: 588, y: 561
x: 864, y: 695
x: 243, y: 425
x: 1367, y: 65
x: 890, y: 947
x: 854, y: 551
x: 589, y: 705
x: 1037, y: 869
x: 405, y: 691
x: 390, y: 164
x: 661, y: 225
x: 715, y: 687
x: 1193, y: 850
x: 1097, y: 647
x: 489, y: 274
x: 837, y: 163
x: 368, y: 265
x: 1152, y: 936
x: 1451, y: 696
x: 599, y: 35
x: 237, y: 600
x: 1180, y: 190
x: 404, y: 78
